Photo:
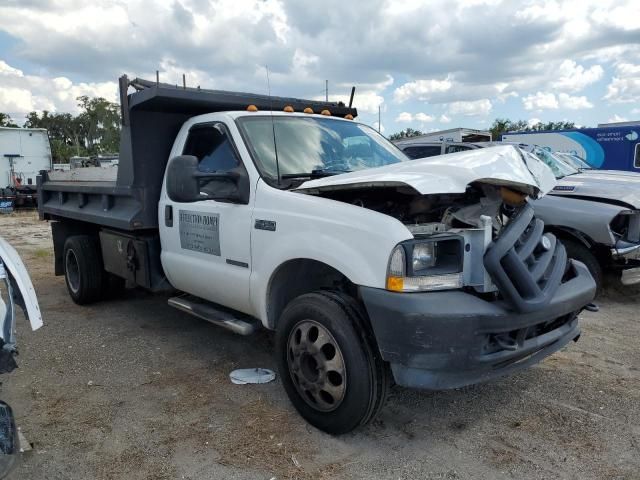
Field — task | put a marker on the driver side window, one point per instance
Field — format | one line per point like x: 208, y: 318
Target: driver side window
x: 211, y: 145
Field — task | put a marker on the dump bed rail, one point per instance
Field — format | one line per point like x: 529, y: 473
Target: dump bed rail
x: 152, y: 116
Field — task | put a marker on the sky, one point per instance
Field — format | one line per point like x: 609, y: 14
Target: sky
x: 428, y: 65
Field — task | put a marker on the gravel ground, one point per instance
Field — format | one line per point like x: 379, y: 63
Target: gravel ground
x: 132, y: 389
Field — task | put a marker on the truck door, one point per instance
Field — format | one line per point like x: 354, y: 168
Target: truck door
x: 206, y: 244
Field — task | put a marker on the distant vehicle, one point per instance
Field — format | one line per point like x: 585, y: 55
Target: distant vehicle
x: 598, y: 219
x: 23, y: 153
x: 610, y: 148
x: 452, y: 135
x: 418, y: 147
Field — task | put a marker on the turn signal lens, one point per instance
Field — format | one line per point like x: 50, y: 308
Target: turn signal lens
x: 395, y: 284
x: 511, y: 197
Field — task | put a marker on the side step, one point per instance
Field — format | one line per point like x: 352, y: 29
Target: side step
x: 212, y: 313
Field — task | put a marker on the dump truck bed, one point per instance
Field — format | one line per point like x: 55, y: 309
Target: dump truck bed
x: 126, y: 197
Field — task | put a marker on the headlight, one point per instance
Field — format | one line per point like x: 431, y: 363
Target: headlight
x: 421, y: 265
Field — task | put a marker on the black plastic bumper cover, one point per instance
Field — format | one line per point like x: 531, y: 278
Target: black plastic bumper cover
x: 442, y: 340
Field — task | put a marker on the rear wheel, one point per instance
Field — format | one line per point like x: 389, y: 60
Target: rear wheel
x: 328, y: 362
x: 83, y: 271
x: 581, y: 253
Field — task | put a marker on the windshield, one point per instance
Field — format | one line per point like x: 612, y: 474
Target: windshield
x: 315, y: 146
x: 575, y: 161
x: 558, y: 167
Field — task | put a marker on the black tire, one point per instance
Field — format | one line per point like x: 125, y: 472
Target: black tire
x: 342, y: 338
x: 581, y: 253
x: 83, y: 272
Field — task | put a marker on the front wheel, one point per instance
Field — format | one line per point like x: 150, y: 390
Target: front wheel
x: 328, y: 362
x: 581, y: 253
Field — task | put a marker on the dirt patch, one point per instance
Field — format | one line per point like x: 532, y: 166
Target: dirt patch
x: 131, y: 389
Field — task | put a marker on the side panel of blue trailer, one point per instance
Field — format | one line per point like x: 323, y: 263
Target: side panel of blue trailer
x: 611, y: 148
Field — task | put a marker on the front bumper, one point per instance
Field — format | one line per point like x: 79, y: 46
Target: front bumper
x: 443, y: 340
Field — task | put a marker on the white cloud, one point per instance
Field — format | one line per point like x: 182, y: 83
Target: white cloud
x: 625, y: 86
x: 21, y: 94
x: 573, y: 77
x: 404, y: 117
x: 444, y: 119
x: 471, y: 108
x: 617, y: 118
x: 533, y: 121
x: 421, y: 89
x: 635, y: 111
x: 549, y: 101
x: 562, y: 47
x: 424, y: 118
x: 540, y: 101
x: 573, y: 103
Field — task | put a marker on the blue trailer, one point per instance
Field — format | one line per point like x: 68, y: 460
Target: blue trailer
x: 609, y: 148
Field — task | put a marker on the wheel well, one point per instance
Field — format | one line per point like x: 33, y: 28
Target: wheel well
x: 570, y: 234
x: 297, y: 277
x: 601, y: 253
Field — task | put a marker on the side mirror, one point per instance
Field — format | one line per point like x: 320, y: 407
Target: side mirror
x: 184, y: 182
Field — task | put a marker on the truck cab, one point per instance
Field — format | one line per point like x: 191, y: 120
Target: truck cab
x: 289, y: 215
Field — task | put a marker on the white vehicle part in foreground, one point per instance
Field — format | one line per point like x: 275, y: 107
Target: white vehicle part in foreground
x: 501, y: 165
x: 11, y: 265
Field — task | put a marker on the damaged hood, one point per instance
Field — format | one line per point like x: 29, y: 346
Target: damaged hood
x: 601, y: 185
x: 501, y: 165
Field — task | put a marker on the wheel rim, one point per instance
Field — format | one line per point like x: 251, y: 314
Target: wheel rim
x: 316, y: 365
x: 72, y: 271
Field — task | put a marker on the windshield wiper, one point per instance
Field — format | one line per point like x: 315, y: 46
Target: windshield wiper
x: 319, y: 173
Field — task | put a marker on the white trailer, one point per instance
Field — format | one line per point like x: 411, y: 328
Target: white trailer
x: 23, y: 153
x: 455, y: 135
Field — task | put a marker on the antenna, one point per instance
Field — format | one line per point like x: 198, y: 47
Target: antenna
x: 273, y: 125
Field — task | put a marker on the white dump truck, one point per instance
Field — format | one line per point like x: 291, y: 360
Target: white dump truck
x: 287, y: 214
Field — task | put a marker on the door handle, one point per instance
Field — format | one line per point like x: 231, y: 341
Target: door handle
x: 168, y: 216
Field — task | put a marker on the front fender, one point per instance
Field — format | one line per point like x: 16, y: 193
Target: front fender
x: 590, y: 218
x: 355, y: 241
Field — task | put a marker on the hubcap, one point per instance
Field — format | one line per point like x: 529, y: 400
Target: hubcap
x: 316, y: 365
x: 72, y: 271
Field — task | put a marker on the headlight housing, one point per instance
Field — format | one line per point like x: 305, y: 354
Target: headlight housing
x: 426, y: 264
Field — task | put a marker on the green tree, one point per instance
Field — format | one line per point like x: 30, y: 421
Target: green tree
x: 100, y: 123
x: 95, y: 130
x: 504, y: 125
x: 6, y: 120
x: 406, y: 133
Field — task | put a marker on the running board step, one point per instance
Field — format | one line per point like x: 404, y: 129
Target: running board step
x: 212, y: 313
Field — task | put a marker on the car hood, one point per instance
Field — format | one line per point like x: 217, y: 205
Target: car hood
x: 602, y: 185
x: 501, y: 165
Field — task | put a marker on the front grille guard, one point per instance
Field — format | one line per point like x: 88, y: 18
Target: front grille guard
x: 526, y: 268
